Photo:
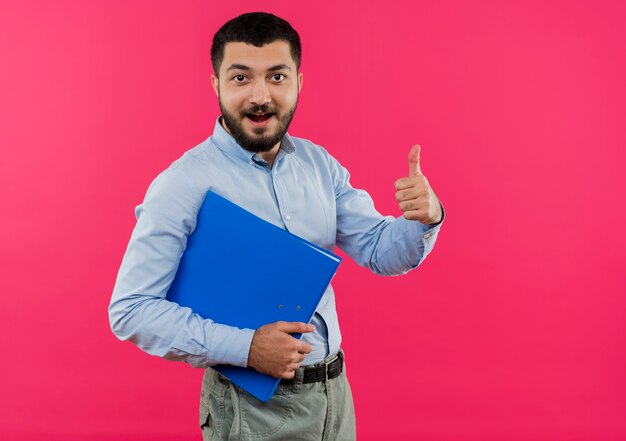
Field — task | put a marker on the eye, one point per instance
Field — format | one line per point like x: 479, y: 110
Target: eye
x: 239, y: 78
x: 278, y: 77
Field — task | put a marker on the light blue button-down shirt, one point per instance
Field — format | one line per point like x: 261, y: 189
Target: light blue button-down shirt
x: 306, y: 192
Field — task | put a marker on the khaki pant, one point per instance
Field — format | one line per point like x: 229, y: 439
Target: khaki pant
x: 299, y: 412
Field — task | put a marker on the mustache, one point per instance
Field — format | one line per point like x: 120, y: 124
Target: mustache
x: 264, y: 108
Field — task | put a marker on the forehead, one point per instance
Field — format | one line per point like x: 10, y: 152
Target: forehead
x: 257, y: 58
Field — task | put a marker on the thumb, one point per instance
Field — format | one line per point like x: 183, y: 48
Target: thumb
x: 414, y: 161
x: 295, y: 327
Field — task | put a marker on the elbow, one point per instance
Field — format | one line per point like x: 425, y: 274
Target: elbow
x: 391, y: 272
x: 116, y: 320
x: 121, y: 318
x: 398, y: 266
x: 134, y: 319
x: 387, y: 271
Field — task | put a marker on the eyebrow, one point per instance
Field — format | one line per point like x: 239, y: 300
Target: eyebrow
x: 248, y: 68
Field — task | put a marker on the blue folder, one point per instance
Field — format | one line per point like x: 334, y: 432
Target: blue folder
x: 243, y: 271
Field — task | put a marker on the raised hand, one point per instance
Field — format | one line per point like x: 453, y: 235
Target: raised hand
x: 415, y: 196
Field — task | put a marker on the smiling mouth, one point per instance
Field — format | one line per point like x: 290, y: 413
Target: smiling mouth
x: 259, y: 118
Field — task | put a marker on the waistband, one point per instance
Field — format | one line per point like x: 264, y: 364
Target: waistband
x: 331, y: 367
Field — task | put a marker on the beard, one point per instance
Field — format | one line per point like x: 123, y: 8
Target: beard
x: 261, y: 142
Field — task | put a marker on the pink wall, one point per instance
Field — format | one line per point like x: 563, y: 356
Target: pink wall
x: 513, y: 329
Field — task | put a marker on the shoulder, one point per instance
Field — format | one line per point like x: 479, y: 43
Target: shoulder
x: 189, y: 161
x: 179, y: 180
x: 312, y: 152
x: 318, y: 158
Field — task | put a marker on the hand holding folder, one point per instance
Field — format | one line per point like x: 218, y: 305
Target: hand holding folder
x: 214, y: 278
x: 274, y: 350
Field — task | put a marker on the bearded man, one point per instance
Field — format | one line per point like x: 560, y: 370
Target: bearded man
x: 251, y: 160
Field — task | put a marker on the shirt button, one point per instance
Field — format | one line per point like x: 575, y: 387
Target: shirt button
x: 288, y: 217
x: 427, y: 235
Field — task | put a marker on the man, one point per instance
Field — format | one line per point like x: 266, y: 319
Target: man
x: 251, y: 160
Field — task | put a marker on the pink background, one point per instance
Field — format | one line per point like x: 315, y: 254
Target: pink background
x: 513, y: 329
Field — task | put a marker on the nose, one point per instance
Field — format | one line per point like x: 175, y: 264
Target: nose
x: 260, y: 93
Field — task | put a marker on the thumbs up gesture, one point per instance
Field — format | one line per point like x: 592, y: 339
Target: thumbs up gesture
x: 415, y: 196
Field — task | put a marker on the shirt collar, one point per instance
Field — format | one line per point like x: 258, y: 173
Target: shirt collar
x: 225, y: 142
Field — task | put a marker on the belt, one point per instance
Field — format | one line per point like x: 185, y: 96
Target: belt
x: 314, y: 374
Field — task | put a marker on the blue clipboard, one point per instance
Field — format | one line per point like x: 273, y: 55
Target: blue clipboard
x: 216, y: 278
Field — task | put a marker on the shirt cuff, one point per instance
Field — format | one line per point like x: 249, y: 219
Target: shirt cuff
x: 231, y: 345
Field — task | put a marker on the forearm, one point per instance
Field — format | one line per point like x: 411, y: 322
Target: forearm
x: 386, y: 245
x: 165, y: 329
x: 402, y: 246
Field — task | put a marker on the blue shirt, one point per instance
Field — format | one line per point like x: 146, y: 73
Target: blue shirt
x: 306, y: 192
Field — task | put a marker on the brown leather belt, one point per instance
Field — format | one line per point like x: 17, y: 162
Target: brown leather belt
x: 314, y: 374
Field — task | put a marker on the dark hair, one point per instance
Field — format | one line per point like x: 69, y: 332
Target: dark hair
x: 258, y: 29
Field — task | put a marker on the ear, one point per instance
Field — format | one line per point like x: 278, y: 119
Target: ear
x: 300, y: 78
x: 215, y: 82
